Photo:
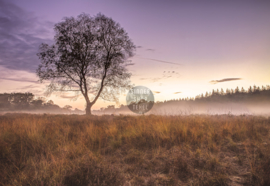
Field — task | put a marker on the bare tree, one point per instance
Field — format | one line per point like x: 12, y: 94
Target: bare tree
x: 89, y: 57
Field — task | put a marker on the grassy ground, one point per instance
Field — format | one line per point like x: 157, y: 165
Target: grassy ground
x: 134, y: 150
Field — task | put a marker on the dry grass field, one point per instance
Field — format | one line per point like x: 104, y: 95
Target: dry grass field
x: 71, y: 150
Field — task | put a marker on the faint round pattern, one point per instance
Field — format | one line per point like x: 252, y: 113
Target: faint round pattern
x: 140, y: 99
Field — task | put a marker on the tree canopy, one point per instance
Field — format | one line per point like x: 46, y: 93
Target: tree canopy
x: 89, y: 56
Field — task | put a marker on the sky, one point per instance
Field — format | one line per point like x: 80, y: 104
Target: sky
x: 182, y: 46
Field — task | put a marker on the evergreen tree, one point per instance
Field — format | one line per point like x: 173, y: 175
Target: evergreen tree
x: 236, y: 90
x: 250, y: 90
x: 213, y: 92
x: 254, y: 88
x: 221, y: 91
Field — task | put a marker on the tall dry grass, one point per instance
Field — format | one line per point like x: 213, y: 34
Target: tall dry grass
x: 134, y: 150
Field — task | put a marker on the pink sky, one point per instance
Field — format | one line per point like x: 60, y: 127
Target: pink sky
x: 198, y: 41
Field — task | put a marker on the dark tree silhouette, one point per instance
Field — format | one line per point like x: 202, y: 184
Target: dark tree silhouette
x: 236, y: 90
x: 249, y: 90
x: 4, y: 101
x: 89, y: 57
x: 222, y: 91
x: 67, y: 107
x: 38, y: 103
x: 21, y: 100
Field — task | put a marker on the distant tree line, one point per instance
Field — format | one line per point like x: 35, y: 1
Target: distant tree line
x: 253, y: 94
x: 29, y: 102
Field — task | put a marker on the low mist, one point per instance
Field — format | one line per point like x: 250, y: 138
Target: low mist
x: 254, y: 101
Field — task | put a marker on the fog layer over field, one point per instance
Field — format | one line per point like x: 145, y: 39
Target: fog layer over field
x: 213, y: 108
x: 254, y: 101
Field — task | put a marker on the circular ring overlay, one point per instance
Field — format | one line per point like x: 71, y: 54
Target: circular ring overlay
x: 140, y: 99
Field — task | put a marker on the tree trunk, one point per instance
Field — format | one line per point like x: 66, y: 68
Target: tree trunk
x: 88, y: 109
